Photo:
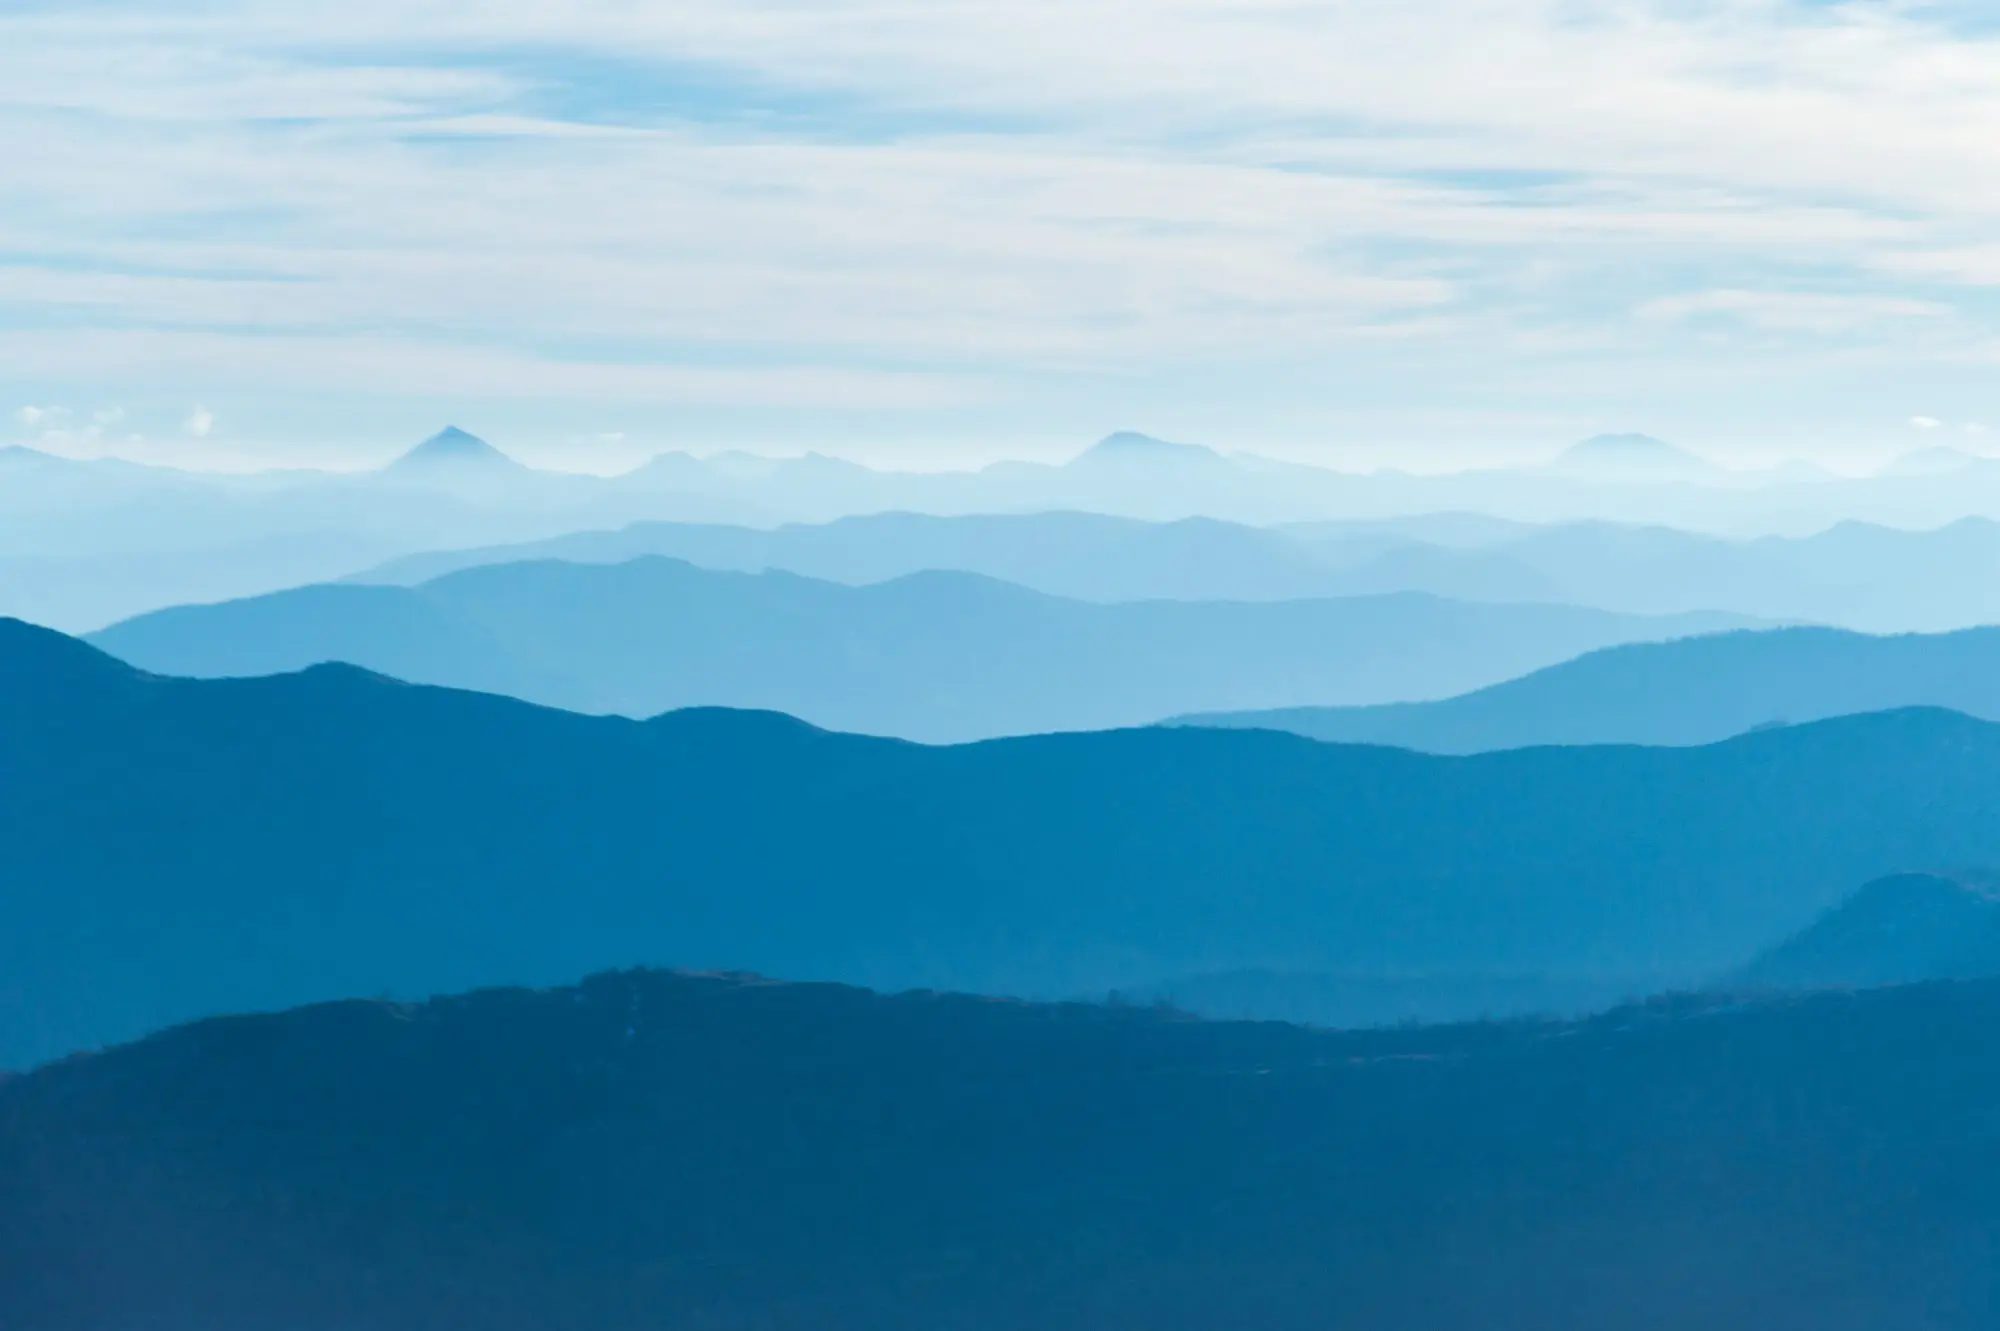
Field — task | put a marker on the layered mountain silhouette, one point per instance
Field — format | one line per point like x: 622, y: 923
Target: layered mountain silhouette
x: 1854, y: 575
x: 933, y: 656
x: 174, y: 848
x: 1088, y: 556
x: 83, y: 543
x: 1897, y: 930
x: 669, y: 1150
x: 1691, y: 691
x: 82, y: 592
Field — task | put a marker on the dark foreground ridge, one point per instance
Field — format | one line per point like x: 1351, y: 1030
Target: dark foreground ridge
x: 171, y: 849
x: 652, y: 1150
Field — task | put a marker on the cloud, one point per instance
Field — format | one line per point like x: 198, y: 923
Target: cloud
x: 55, y: 428
x: 1786, y: 311
x: 411, y: 369
x: 1925, y: 422
x: 882, y: 204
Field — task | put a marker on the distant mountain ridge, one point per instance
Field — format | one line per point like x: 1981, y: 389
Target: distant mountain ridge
x: 661, y: 1150
x: 1858, y: 576
x: 286, y: 839
x: 1632, y: 457
x: 1086, y: 556
x: 1695, y: 690
x: 86, y: 542
x: 933, y: 656
x: 61, y: 506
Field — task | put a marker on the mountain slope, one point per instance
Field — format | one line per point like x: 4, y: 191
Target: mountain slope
x: 1691, y: 691
x: 1855, y: 575
x: 1087, y: 556
x: 661, y: 1150
x: 934, y: 656
x: 179, y: 847
x: 79, y: 593
x: 1896, y: 930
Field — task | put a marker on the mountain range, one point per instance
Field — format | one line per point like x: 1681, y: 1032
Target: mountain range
x: 101, y: 539
x: 670, y: 1150
x: 931, y: 656
x: 1859, y: 576
x: 1691, y: 691
x: 1854, y: 574
x: 174, y: 848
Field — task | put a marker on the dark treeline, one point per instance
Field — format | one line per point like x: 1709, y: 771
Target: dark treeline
x: 655, y: 1150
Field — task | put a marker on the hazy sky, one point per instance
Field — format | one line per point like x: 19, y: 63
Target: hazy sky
x: 926, y: 233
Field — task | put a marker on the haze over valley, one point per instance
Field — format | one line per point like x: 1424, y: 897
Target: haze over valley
x: 1048, y: 667
x: 1159, y: 727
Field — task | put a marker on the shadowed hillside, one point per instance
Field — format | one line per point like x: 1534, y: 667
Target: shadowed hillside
x: 934, y: 656
x: 660, y: 1150
x: 1691, y: 691
x: 1897, y: 930
x: 173, y: 848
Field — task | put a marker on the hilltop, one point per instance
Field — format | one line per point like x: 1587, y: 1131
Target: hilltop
x: 1896, y: 930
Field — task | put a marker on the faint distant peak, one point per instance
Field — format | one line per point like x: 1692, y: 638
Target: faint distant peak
x: 1128, y: 446
x: 1937, y: 461
x: 1636, y: 457
x: 1628, y: 444
x: 457, y: 450
x: 22, y: 453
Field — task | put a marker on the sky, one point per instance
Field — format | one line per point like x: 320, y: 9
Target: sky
x: 1370, y: 233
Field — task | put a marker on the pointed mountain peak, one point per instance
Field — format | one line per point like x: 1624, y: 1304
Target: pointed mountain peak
x: 456, y: 449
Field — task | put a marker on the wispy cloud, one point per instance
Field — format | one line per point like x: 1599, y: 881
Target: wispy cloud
x: 712, y: 203
x: 1794, y: 311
